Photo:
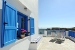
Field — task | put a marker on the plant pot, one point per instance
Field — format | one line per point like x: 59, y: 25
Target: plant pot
x: 22, y: 36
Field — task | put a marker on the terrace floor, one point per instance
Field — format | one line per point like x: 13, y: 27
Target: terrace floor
x: 47, y: 45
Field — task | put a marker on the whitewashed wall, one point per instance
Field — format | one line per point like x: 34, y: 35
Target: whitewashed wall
x: 33, y: 7
x: 22, y: 44
x: 66, y: 33
x: 32, y: 11
x: 45, y: 32
x: 0, y: 4
x: 19, y: 6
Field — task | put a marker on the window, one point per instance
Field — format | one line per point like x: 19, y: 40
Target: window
x: 22, y: 22
x: 41, y: 31
x: 22, y: 25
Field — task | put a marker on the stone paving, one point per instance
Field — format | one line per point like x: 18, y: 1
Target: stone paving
x: 46, y: 45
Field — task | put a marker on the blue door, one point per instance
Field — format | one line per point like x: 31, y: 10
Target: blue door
x: 10, y: 24
x: 31, y: 26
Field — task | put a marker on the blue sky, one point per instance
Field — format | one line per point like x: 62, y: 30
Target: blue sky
x: 56, y: 13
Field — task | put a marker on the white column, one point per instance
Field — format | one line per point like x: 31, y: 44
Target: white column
x: 45, y: 33
x: 67, y: 34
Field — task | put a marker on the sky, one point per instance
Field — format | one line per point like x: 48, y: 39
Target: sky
x: 56, y: 13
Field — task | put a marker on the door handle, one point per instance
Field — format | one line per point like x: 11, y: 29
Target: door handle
x: 5, y: 23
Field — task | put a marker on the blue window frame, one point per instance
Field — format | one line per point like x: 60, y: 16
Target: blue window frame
x: 31, y: 26
x: 9, y: 20
x: 21, y: 15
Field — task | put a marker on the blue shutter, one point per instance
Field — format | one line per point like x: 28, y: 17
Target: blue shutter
x: 9, y: 29
x: 74, y: 34
x: 69, y: 33
x: 31, y: 26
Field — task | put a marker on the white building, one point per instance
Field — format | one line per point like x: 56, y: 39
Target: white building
x: 13, y: 12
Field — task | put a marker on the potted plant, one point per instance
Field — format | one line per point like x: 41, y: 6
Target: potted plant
x: 23, y: 32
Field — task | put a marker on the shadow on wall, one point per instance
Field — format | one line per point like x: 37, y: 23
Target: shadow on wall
x: 18, y: 43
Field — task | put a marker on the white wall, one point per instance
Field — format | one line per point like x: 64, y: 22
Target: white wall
x: 19, y: 6
x: 22, y: 44
x: 66, y: 33
x: 32, y: 11
x: 0, y: 4
x: 45, y: 32
x: 32, y: 5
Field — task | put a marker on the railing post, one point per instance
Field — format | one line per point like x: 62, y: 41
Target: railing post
x: 67, y: 34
